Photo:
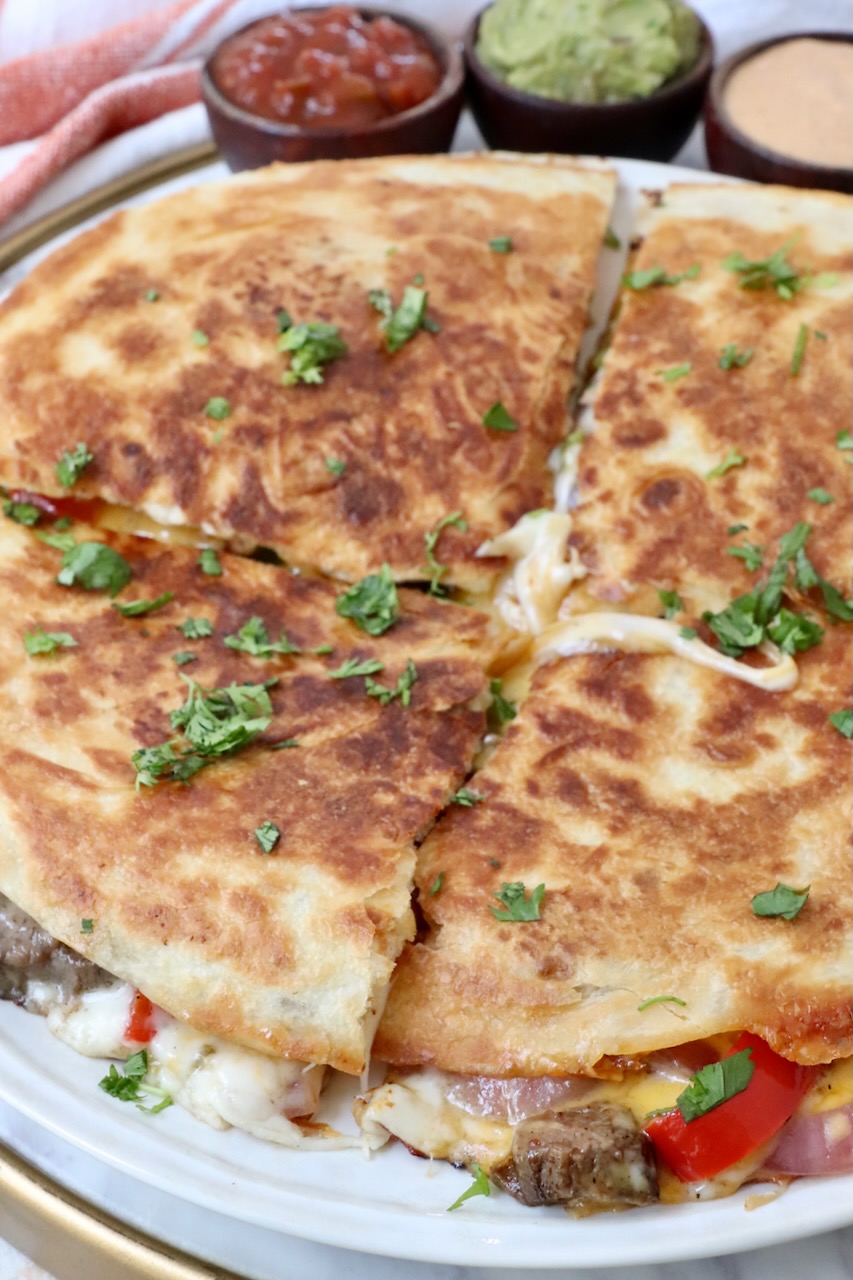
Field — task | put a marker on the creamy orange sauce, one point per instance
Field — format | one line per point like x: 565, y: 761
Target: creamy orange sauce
x: 796, y: 98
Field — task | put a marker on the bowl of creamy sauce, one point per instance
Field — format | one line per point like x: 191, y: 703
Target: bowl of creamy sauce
x: 782, y: 111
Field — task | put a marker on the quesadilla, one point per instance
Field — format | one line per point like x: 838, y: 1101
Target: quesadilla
x: 329, y: 359
x: 722, y: 410
x: 210, y: 785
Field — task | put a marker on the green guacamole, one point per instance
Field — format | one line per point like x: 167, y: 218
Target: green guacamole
x: 588, y: 50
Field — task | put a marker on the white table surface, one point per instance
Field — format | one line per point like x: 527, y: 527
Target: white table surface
x: 826, y: 1257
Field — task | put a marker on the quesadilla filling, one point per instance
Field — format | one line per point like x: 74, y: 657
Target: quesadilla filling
x: 224, y: 1085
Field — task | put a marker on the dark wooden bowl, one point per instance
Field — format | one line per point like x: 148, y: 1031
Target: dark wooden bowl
x: 731, y: 151
x: 653, y: 128
x: 248, y: 141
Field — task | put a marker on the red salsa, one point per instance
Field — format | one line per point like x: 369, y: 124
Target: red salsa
x: 327, y: 69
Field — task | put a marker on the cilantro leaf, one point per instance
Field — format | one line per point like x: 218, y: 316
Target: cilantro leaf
x: 335, y: 467
x: 773, y: 272
x: 72, y: 464
x: 130, y: 1086
x: 42, y: 642
x: 283, y: 320
x: 501, y: 710
x: 750, y: 553
x: 135, y: 608
x: 676, y: 371
x: 715, y: 1084
x: 736, y: 626
x: 184, y: 658
x: 431, y: 538
x: 403, y: 322
x: 688, y: 633
x: 799, y: 349
x: 467, y: 798
x: 653, y: 277
x: 151, y: 295
x: 310, y: 346
x: 356, y: 667
x: 209, y: 563
x: 843, y: 721
x: 736, y: 528
x: 218, y: 408
x: 402, y: 690
x: 372, y: 603
x: 731, y: 358
x: 284, y: 744
x: 199, y: 338
x: 22, y: 512
x: 436, y: 885
x: 497, y: 418
x: 734, y: 458
x: 267, y: 836
x: 821, y: 496
x: 196, y: 628
x: 501, y: 244
x: 782, y: 901
x: 479, y: 1187
x: 794, y: 633
x: 672, y: 603
x: 611, y: 240
x: 93, y: 566
x: 518, y: 907
x: 253, y: 638
x: 844, y: 439
x: 87, y: 925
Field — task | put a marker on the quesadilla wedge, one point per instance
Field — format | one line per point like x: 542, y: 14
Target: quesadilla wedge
x: 211, y: 782
x: 655, y: 873
x: 722, y: 410
x: 327, y: 359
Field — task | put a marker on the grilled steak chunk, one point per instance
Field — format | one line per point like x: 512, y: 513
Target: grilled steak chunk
x: 583, y: 1157
x: 36, y: 970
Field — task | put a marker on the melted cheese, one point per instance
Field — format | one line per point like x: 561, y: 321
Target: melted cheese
x: 544, y: 567
x: 600, y: 632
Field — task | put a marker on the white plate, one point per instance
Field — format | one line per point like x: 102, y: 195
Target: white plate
x: 391, y: 1204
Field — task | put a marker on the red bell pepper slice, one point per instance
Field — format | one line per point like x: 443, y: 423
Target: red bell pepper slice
x: 728, y: 1133
x: 140, y: 1024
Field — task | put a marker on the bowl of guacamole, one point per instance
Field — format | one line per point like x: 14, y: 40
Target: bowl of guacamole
x: 614, y: 77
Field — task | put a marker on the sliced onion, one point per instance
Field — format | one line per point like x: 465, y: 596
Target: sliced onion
x: 516, y: 1099
x: 809, y: 1146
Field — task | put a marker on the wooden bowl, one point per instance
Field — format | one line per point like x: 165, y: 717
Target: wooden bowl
x: 652, y: 128
x: 248, y: 141
x: 732, y: 151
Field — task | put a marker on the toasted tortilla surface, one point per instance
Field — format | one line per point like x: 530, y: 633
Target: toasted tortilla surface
x: 650, y: 516
x: 653, y: 799
x: 97, y: 345
x: 286, y: 952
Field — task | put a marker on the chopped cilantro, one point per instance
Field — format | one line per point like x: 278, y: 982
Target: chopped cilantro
x: 821, y: 496
x: 135, y: 608
x: 672, y: 603
x: 688, y: 633
x: 253, y: 638
x: 209, y: 562
x: 43, y: 642
x: 87, y: 926
x: 199, y: 338
x: 498, y: 418
x: 844, y: 439
x: 736, y: 528
x: 501, y: 244
x: 467, y: 798
x: 72, y: 464
x: 372, y: 603
x: 335, y: 466
x: 184, y: 658
x: 218, y: 408
x: 130, y: 1086
x: 431, y: 538
x: 152, y: 296
x: 734, y: 458
x: 267, y: 836
x: 283, y: 320
x: 479, y: 1187
x: 357, y: 667
x: 402, y: 689
x: 843, y: 721
x: 436, y: 884
x: 284, y: 744
x: 653, y: 277
x: 782, y: 901
x: 22, y: 512
x: 793, y: 633
x: 323, y: 649
x: 403, y: 322
x: 676, y: 371
x: 774, y: 272
x: 715, y: 1084
x: 196, y: 628
x: 611, y: 240
x: 647, y: 1004
x: 310, y: 346
x: 501, y: 710
x: 518, y: 907
x: 750, y: 553
x: 799, y: 349
x: 731, y: 358
x: 93, y: 566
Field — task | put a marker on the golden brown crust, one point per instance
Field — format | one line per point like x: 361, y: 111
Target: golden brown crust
x: 286, y: 952
x: 84, y: 355
x: 653, y: 799
x: 649, y: 516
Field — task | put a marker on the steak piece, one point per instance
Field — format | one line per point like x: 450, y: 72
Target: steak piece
x: 36, y: 971
x: 584, y: 1157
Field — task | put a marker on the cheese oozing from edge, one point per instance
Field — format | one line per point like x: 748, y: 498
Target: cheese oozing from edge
x: 544, y: 567
x: 602, y: 632
x: 223, y: 1085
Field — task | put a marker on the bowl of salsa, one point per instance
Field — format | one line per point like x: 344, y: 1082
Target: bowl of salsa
x: 329, y: 83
